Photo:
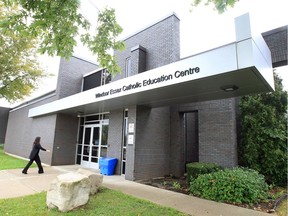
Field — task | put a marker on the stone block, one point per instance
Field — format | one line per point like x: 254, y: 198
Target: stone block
x: 96, y: 179
x: 68, y: 191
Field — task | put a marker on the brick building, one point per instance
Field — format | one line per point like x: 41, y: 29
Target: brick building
x: 160, y: 113
x: 4, y: 113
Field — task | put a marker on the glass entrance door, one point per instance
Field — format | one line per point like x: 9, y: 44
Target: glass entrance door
x: 93, y: 147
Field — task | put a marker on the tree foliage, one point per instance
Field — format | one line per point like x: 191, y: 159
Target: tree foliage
x: 56, y: 24
x: 263, y: 145
x: 19, y: 68
x: 220, y: 5
x: 108, y: 30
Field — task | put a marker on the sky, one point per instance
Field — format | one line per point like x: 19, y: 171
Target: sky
x: 200, y: 29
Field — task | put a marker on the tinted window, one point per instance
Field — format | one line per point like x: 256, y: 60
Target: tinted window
x: 92, y: 81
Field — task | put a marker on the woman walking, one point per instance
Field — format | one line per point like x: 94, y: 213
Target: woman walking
x: 34, y: 156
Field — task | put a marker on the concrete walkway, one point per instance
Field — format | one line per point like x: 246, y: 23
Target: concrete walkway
x: 15, y: 184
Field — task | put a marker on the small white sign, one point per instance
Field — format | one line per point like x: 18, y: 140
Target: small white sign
x: 130, y: 139
x: 131, y: 128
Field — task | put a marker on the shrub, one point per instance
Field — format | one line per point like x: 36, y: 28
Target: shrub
x: 263, y: 134
x: 238, y: 185
x: 196, y: 169
x: 176, y: 185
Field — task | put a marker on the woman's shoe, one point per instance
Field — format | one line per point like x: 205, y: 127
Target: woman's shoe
x: 24, y: 172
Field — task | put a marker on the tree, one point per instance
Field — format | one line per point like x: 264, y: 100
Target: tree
x: 108, y: 30
x: 55, y: 24
x: 220, y: 5
x: 263, y: 144
x: 19, y: 68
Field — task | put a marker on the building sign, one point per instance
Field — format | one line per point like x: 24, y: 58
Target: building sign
x: 130, y: 139
x: 146, y: 82
x: 131, y: 128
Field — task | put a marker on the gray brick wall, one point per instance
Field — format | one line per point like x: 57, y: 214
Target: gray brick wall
x: 21, y: 131
x: 4, y: 113
x: 150, y: 48
x: 64, y: 150
x: 152, y: 142
x: 138, y: 56
x: 276, y: 40
x: 70, y: 76
x: 55, y: 130
x: 217, y: 133
x: 161, y: 41
x: 177, y: 160
x: 115, y: 136
x: 131, y: 155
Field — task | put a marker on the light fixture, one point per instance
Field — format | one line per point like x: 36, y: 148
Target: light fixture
x: 229, y: 88
x: 79, y: 114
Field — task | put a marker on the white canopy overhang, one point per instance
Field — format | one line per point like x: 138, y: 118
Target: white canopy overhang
x: 236, y: 69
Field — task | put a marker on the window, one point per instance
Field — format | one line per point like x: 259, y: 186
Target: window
x: 106, y: 77
x: 124, y: 141
x: 91, y: 81
x: 128, y: 67
x: 95, y: 79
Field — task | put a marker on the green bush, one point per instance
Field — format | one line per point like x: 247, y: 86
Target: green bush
x: 197, y: 168
x: 238, y: 185
x: 263, y: 134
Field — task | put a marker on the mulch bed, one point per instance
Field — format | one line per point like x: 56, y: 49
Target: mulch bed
x: 180, y: 185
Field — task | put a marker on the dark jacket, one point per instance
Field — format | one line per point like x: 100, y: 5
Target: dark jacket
x: 35, y: 151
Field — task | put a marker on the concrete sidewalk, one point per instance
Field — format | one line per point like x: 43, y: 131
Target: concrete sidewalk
x: 15, y: 184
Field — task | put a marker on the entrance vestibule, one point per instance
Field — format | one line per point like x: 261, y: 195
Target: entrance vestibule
x: 92, y: 141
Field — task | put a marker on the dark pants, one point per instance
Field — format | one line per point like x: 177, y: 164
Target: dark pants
x: 38, y: 162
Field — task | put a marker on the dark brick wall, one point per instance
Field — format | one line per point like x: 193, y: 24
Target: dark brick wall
x: 150, y: 48
x: 64, y: 150
x: 55, y: 130
x: 177, y: 159
x: 161, y: 41
x: 21, y: 131
x: 217, y: 133
x: 131, y: 155
x: 276, y: 40
x: 70, y: 76
x: 115, y: 136
x: 152, y: 142
x: 138, y: 56
x: 4, y: 113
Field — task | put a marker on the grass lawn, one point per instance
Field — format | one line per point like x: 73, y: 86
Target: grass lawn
x: 105, y: 203
x: 8, y: 162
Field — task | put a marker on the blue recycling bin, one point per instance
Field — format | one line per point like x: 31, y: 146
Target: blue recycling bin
x: 107, y: 165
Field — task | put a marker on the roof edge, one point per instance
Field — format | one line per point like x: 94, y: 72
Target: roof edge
x: 150, y: 25
x: 279, y: 29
